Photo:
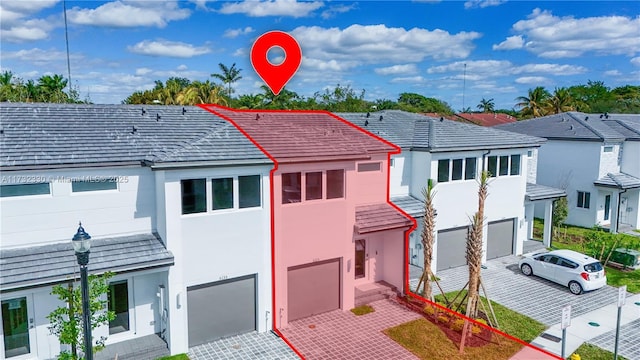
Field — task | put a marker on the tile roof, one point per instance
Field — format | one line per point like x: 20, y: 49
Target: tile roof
x: 541, y: 192
x: 379, y: 217
x: 418, y: 132
x: 61, y: 134
x: 566, y: 126
x: 54, y: 263
x: 303, y: 135
x: 487, y: 119
x: 410, y: 205
x: 618, y: 180
x: 626, y: 124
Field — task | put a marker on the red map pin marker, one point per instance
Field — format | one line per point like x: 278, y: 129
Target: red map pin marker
x: 276, y: 76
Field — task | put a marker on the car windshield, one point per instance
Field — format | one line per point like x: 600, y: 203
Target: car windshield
x: 593, y: 267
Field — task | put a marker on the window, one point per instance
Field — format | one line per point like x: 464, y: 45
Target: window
x: 25, y: 189
x: 530, y: 153
x: 313, y: 185
x: 249, y: 191
x: 118, y: 302
x: 515, y: 165
x: 102, y: 184
x: 194, y: 196
x: 372, y: 166
x: 504, y: 165
x: 443, y: 170
x: 593, y: 267
x: 492, y: 166
x: 456, y: 173
x: 392, y: 163
x: 608, y: 149
x: 584, y: 199
x: 568, y: 264
x: 291, y: 188
x: 335, y: 184
x: 470, y: 168
x: 222, y: 193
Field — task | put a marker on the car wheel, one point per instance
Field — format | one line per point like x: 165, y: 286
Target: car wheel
x: 575, y: 288
x: 526, y: 269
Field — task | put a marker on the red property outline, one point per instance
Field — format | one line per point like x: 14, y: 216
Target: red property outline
x: 211, y: 108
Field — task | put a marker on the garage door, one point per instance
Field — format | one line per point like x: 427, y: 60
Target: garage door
x: 452, y: 245
x: 313, y: 288
x: 221, y: 309
x: 500, y: 238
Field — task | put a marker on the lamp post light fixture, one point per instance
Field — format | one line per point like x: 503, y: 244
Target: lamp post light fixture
x: 81, y: 244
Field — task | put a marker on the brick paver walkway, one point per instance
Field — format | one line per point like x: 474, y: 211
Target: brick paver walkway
x: 258, y: 346
x: 343, y: 335
x: 628, y: 344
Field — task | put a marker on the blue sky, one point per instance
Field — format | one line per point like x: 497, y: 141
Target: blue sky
x: 384, y: 47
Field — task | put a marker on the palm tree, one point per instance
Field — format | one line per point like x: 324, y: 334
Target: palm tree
x: 486, y: 106
x: 251, y: 101
x: 201, y: 93
x: 535, y: 103
x: 559, y: 102
x: 427, y: 239
x: 474, y: 248
x: 229, y: 76
x: 51, y: 88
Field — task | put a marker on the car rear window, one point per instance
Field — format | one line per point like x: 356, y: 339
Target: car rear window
x: 593, y: 267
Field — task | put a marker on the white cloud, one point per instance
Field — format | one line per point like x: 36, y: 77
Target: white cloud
x: 234, y: 33
x: 291, y: 8
x: 531, y: 80
x: 167, y: 48
x: 201, y: 4
x: 17, y: 24
x: 512, y: 42
x: 482, y: 3
x: 552, y: 36
x: 38, y: 56
x: 143, y: 71
x: 182, y: 67
x: 491, y: 68
x: 338, y: 9
x: 240, y: 52
x: 397, y: 69
x: 129, y: 14
x: 324, y: 65
x: 635, y: 61
x: 613, y: 73
x: 552, y: 69
x: 382, y: 44
x: 409, y: 79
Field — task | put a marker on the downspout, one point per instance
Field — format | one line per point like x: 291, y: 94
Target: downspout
x: 618, y: 215
x: 483, y: 159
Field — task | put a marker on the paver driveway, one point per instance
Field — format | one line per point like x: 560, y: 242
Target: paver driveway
x: 342, y: 335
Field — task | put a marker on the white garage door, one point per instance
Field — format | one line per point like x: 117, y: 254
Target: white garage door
x: 452, y: 245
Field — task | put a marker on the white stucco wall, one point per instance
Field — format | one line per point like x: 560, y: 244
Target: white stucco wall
x: 215, y: 245
x: 400, y: 174
x: 532, y: 166
x: 40, y: 219
x: 630, y: 163
x: 609, y: 160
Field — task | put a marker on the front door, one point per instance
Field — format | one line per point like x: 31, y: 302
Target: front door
x: 361, y: 259
x: 607, y: 206
x: 623, y: 210
x: 18, y: 328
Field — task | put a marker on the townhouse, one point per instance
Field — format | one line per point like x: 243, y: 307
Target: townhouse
x: 596, y: 159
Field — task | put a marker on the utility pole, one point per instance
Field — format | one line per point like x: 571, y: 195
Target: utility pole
x: 464, y: 85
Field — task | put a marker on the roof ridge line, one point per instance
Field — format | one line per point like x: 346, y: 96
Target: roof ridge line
x: 624, y: 125
x: 431, y: 133
x: 588, y: 126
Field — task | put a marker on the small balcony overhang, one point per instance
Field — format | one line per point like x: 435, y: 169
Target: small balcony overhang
x: 620, y: 181
x: 379, y: 217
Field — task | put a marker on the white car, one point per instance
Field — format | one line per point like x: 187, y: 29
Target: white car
x: 566, y: 267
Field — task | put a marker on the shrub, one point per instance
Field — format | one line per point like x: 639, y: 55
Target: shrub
x: 574, y: 356
x: 429, y: 310
x: 482, y: 321
x: 457, y: 325
x: 443, y: 318
x: 476, y: 329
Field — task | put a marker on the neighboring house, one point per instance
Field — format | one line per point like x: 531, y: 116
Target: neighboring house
x: 453, y: 155
x: 334, y: 229
x: 487, y: 119
x: 596, y: 159
x: 176, y: 201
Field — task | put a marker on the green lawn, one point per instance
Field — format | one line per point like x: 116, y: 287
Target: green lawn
x: 175, y: 357
x: 571, y: 237
x: 590, y: 352
x: 509, y: 321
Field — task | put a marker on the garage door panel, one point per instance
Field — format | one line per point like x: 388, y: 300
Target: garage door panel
x: 313, y: 289
x: 221, y: 309
x: 500, y: 236
x: 452, y: 244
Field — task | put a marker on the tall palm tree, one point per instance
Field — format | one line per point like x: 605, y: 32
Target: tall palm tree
x: 228, y: 76
x: 201, y: 93
x: 560, y: 101
x: 486, y: 106
x: 52, y: 88
x: 474, y: 248
x: 427, y: 236
x: 534, y: 104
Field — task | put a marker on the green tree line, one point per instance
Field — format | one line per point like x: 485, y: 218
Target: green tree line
x: 48, y: 88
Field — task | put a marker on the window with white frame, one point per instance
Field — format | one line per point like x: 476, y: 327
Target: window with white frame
x: 584, y: 199
x: 608, y: 149
x: 504, y: 165
x: 369, y: 166
x: 12, y: 190
x: 456, y: 169
x: 222, y: 190
x: 118, y: 302
x: 312, y: 182
x: 194, y: 196
x: 100, y: 184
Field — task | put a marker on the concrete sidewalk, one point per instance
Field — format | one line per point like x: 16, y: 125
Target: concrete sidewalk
x: 581, y: 331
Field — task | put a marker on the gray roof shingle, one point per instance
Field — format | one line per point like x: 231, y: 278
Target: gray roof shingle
x: 410, y: 205
x: 418, y: 132
x: 379, y: 217
x: 566, y: 126
x: 541, y: 192
x: 626, y: 124
x: 62, y: 134
x: 54, y: 263
x: 619, y: 180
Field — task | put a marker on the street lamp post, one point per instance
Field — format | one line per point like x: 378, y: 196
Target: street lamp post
x: 81, y: 245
